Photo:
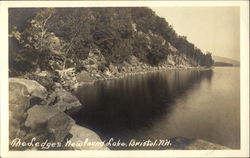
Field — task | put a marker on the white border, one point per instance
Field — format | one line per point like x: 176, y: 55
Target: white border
x: 244, y: 47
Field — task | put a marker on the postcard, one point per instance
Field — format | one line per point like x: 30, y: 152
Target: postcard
x: 124, y: 79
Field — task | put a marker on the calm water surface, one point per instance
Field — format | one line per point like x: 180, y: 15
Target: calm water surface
x: 187, y: 103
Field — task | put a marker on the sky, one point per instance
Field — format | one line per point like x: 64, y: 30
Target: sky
x: 213, y: 29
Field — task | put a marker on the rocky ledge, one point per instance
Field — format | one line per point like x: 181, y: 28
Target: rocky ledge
x: 39, y: 116
x: 45, y: 114
x: 181, y: 143
x: 71, y: 79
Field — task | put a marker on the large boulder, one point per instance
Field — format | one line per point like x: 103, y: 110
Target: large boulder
x: 33, y: 87
x: 180, y: 143
x: 45, y: 78
x: 49, y: 122
x: 81, y: 135
x: 84, y: 77
x: 22, y: 95
x: 64, y: 101
x: 18, y: 103
x: 199, y: 144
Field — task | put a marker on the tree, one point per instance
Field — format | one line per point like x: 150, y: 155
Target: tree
x: 37, y: 32
x: 116, y: 33
x: 159, y: 50
x: 73, y: 27
x: 33, y: 41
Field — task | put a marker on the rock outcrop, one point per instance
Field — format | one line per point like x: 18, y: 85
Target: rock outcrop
x: 199, y: 144
x: 34, y: 116
x: 84, y: 77
x: 48, y: 122
x: 22, y: 95
x: 81, y: 134
x: 18, y: 103
x: 34, y: 89
x: 64, y: 101
x: 44, y: 78
x: 180, y: 143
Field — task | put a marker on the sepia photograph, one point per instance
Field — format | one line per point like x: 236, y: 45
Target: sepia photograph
x: 126, y: 78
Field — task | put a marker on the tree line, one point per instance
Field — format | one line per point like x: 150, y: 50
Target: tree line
x: 117, y: 33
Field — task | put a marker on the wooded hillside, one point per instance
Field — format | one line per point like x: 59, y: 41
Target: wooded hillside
x: 39, y: 38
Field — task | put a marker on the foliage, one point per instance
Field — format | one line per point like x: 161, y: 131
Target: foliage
x: 30, y: 49
x: 46, y: 81
x: 118, y: 33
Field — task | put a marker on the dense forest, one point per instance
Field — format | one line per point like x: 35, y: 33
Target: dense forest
x: 39, y: 38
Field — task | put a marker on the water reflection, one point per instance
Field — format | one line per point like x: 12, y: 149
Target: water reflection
x: 122, y: 108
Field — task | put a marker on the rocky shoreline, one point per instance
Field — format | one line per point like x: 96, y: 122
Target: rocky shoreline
x: 71, y: 80
x: 42, y: 109
x: 42, y: 116
x: 52, y: 54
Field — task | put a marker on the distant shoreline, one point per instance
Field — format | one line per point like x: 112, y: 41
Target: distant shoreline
x: 154, y: 69
x: 226, y: 66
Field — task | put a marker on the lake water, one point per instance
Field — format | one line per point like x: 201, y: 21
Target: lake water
x: 160, y: 105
